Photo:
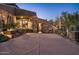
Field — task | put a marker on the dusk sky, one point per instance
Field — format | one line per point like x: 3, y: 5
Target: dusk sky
x: 49, y: 10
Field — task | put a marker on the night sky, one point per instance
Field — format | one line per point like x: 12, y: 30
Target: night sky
x: 50, y: 10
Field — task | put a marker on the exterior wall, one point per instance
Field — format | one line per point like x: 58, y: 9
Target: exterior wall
x: 6, y: 17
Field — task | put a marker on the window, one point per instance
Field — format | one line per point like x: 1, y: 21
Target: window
x: 0, y: 18
x: 1, y: 22
x: 10, y: 20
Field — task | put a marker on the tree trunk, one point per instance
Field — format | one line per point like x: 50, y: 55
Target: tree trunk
x: 67, y: 31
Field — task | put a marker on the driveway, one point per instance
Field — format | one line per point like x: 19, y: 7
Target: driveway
x: 39, y: 44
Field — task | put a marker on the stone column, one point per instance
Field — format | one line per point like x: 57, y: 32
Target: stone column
x: 29, y: 25
x: 14, y: 19
x: 59, y: 24
x: 39, y: 27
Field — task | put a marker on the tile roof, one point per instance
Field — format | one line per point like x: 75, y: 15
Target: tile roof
x: 16, y: 11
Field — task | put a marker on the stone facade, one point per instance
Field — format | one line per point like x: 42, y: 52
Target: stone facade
x: 11, y: 13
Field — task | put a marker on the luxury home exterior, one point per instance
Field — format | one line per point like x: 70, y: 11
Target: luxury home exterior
x: 11, y: 13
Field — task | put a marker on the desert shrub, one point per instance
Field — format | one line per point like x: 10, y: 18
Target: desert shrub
x: 27, y: 30
x: 3, y: 38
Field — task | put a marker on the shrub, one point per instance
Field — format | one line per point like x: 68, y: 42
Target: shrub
x: 27, y: 30
x: 8, y: 26
x: 3, y: 38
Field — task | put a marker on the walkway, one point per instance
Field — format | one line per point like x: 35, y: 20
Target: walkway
x: 39, y: 44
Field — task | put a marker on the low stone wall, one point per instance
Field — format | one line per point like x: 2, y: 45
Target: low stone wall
x: 8, y: 34
x: 74, y: 36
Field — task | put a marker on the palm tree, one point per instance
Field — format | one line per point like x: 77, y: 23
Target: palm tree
x: 67, y: 21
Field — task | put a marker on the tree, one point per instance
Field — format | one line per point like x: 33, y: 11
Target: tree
x: 67, y: 20
x: 51, y: 21
x: 76, y: 20
x: 70, y: 20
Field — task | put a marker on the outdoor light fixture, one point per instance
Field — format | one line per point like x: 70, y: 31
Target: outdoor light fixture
x: 21, y: 16
x: 25, y: 21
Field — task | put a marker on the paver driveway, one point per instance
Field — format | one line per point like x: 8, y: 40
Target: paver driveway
x: 36, y: 44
